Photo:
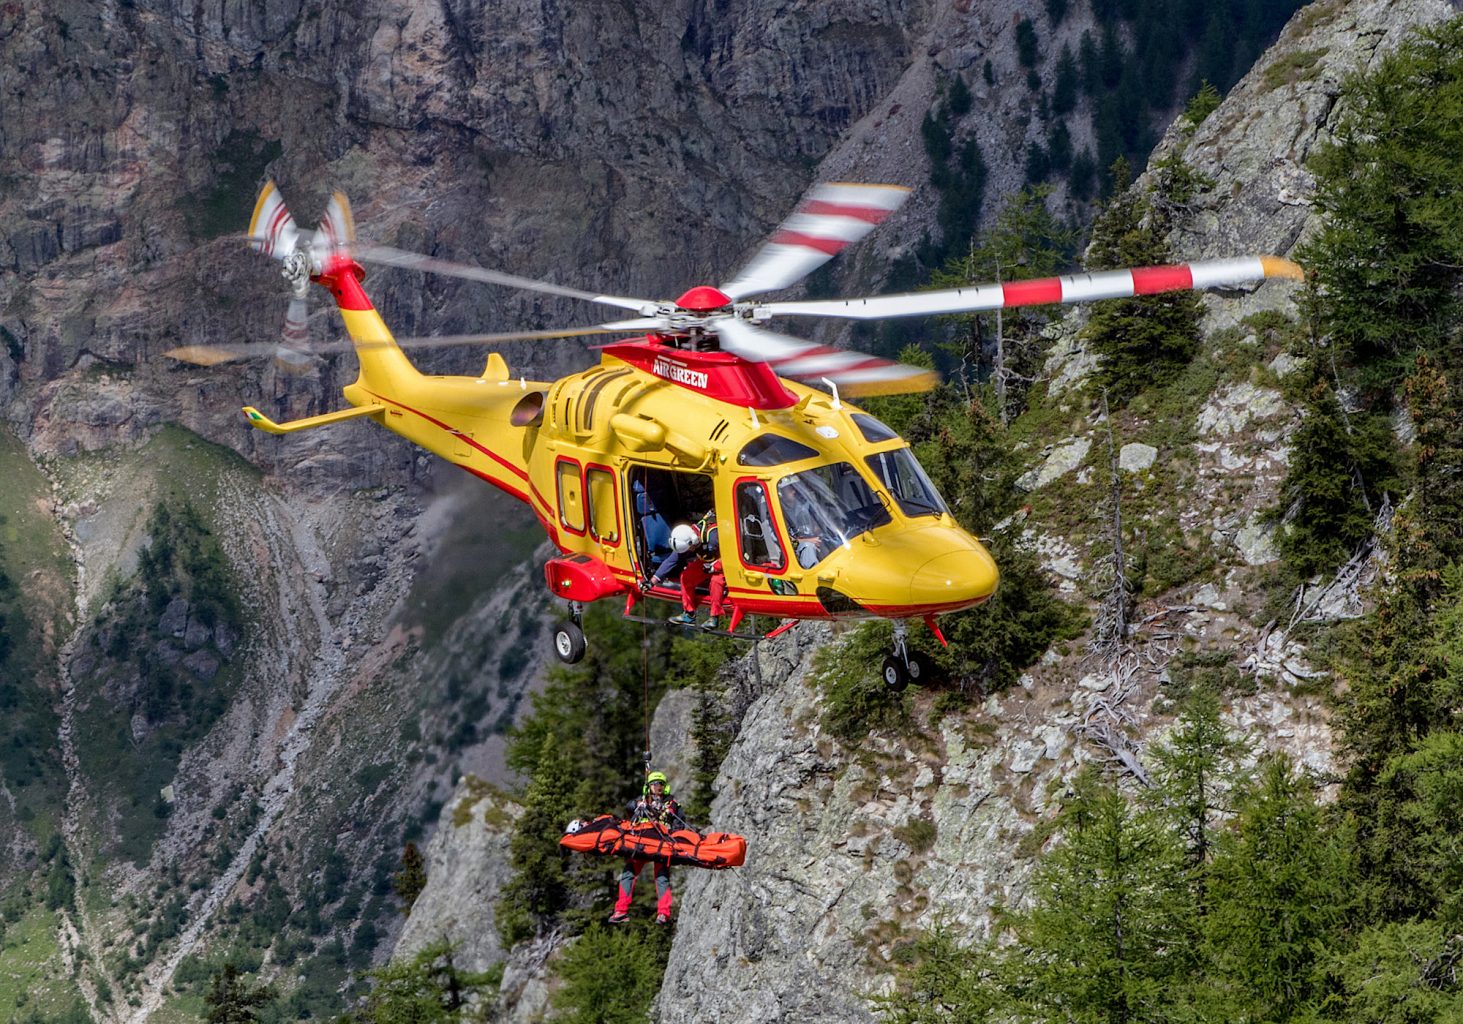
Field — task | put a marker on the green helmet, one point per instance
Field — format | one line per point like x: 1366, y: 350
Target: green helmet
x: 657, y: 777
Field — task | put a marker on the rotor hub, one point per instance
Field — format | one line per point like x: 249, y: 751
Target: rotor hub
x: 704, y: 299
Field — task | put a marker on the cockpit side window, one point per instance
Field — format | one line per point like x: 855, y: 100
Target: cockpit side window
x: 756, y: 530
x: 824, y: 507
x: 773, y: 450
x: 901, y: 473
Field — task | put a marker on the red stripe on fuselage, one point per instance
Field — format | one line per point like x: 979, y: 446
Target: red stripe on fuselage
x: 1152, y: 280
x: 457, y: 434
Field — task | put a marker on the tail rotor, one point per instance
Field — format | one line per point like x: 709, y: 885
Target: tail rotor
x: 273, y: 232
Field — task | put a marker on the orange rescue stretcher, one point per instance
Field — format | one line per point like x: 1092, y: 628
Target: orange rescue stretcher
x: 611, y: 836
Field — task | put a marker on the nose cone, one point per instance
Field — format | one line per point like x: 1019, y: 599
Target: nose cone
x: 959, y: 577
x: 924, y: 571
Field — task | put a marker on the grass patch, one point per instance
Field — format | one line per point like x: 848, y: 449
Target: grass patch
x: 919, y: 834
x: 29, y: 540
x: 32, y: 979
x: 1301, y: 66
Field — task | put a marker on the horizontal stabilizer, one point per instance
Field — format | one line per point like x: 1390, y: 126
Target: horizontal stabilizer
x: 264, y: 423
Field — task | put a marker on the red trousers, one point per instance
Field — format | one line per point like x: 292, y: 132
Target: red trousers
x: 695, y: 574
x: 627, y: 886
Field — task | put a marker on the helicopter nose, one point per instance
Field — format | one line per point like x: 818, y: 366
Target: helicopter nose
x: 964, y: 575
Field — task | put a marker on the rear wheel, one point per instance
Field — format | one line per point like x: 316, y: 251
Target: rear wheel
x: 921, y: 667
x: 896, y: 676
x: 569, y: 642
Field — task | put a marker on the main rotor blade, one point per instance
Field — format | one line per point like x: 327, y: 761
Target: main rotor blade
x: 212, y: 355
x: 854, y: 372
x: 386, y: 256
x: 834, y: 216
x: 1109, y: 284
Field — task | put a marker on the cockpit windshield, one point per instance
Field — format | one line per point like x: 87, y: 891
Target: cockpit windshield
x: 901, y: 473
x: 825, y: 506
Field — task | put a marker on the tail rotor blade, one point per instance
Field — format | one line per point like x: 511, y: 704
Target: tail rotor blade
x: 272, y: 230
x: 293, y: 353
x: 1110, y: 284
x: 833, y: 217
x: 336, y: 234
x: 856, y: 373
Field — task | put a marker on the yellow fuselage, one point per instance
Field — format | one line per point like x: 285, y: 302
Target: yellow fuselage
x: 578, y: 449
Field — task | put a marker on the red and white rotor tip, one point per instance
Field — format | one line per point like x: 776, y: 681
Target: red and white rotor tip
x: 272, y: 230
x: 833, y: 217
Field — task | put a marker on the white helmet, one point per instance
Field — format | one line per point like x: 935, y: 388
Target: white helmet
x: 574, y: 826
x: 683, y: 537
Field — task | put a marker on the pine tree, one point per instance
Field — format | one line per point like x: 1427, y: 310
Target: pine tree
x: 427, y: 989
x: 1324, y: 512
x: 1143, y: 342
x: 411, y: 879
x: 611, y: 977
x: 1280, y: 890
x: 232, y: 1000
x: 1389, y: 255
x: 1025, y: 241
x: 540, y: 886
x: 1064, y: 87
x: 1101, y: 942
x: 1194, y: 770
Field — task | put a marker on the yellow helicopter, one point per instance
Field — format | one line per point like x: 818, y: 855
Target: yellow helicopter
x: 822, y: 510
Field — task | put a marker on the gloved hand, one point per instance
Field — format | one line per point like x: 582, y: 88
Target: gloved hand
x: 647, y: 583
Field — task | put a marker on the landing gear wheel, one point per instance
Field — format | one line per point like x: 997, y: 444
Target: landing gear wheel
x: 921, y: 667
x: 896, y: 676
x: 569, y: 642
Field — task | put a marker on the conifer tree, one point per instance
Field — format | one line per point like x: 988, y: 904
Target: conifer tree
x: 411, y: 879
x: 1102, y: 942
x: 539, y: 889
x: 1388, y: 257
x: 1143, y: 342
x: 232, y: 1000
x: 1324, y: 513
x: 427, y: 989
x: 1280, y: 889
x: 1195, y: 770
x: 1025, y: 241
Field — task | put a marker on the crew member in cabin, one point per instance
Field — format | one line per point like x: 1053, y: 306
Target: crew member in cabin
x: 696, y: 556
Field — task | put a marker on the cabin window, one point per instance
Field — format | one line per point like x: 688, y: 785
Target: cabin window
x: 756, y: 530
x: 773, y: 450
x: 824, y: 507
x: 874, y: 432
x: 604, y: 511
x: 571, y: 495
x: 905, y: 478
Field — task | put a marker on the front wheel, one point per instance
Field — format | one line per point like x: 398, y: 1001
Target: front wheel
x: 569, y: 643
x: 896, y: 676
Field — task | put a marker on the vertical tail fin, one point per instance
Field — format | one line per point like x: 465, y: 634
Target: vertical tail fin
x: 325, y: 258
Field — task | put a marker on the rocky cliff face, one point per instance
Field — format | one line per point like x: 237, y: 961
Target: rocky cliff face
x: 623, y: 147
x: 386, y: 633
x: 852, y: 851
